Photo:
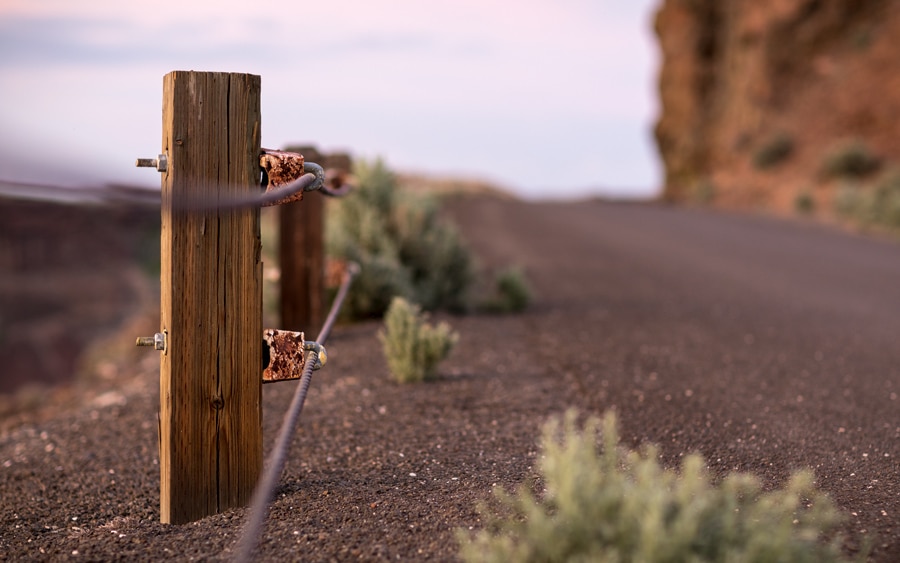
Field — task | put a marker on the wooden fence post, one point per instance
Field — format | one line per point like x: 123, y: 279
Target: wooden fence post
x: 302, y: 257
x: 211, y: 304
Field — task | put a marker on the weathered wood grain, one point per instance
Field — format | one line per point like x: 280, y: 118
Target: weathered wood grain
x: 302, y: 258
x: 211, y: 301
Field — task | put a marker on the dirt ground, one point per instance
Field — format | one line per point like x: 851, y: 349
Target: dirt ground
x: 764, y: 345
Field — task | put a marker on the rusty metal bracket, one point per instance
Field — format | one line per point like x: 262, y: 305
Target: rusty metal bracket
x: 282, y: 168
x: 285, y: 353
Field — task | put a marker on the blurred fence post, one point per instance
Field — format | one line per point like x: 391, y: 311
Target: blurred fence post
x: 302, y: 256
x: 211, y: 297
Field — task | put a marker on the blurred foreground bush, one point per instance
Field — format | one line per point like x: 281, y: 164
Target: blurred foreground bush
x: 622, y: 506
x: 402, y: 246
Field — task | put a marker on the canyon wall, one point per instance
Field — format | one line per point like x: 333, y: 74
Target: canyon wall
x: 760, y: 99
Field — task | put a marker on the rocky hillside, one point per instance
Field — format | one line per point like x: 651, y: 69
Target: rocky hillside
x: 788, y: 105
x: 71, y: 277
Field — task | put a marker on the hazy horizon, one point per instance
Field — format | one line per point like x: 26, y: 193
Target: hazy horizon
x: 553, y: 99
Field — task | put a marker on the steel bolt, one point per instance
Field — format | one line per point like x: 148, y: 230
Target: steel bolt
x: 161, y: 163
x: 158, y: 341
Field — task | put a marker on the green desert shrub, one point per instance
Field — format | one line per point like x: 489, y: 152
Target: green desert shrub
x: 401, y: 244
x: 862, y: 38
x: 621, y: 506
x: 884, y: 204
x: 848, y: 200
x: 850, y: 159
x: 704, y: 191
x: 774, y: 151
x: 804, y: 203
x: 412, y: 347
x: 871, y: 206
x: 512, y: 292
x: 439, y: 265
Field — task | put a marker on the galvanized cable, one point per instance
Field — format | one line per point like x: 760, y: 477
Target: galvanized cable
x: 301, y: 184
x: 312, y: 180
x: 262, y: 495
x: 336, y: 184
x: 325, y: 332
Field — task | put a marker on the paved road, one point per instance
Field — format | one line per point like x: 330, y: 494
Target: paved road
x: 764, y: 344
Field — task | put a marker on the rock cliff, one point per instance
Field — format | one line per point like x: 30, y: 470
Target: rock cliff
x: 778, y: 103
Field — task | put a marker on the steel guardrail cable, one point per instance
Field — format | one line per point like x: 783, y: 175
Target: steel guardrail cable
x: 263, y: 493
x: 312, y: 180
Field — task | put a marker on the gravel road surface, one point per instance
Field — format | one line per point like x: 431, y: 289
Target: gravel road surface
x: 764, y: 345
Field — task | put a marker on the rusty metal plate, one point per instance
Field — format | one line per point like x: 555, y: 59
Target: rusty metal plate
x: 286, y: 355
x: 286, y: 352
x: 281, y: 169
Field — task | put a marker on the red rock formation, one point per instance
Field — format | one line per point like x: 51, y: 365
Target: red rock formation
x: 791, y: 77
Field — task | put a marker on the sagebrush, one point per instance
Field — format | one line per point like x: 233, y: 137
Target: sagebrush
x: 511, y: 294
x: 401, y: 244
x: 413, y: 347
x: 619, y: 506
x: 876, y: 205
x: 850, y: 159
x: 704, y: 191
x: 773, y: 151
x: 804, y: 203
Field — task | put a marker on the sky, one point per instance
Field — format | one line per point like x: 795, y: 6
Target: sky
x: 547, y: 98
